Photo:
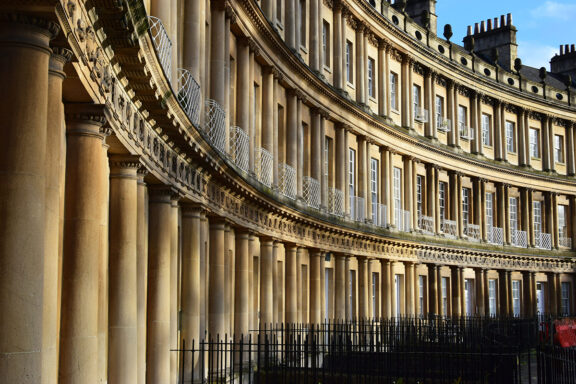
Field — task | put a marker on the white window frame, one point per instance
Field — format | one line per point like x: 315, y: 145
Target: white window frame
x: 397, y: 184
x: 565, y: 300
x: 374, y: 186
x: 465, y: 206
x: 419, y: 192
x: 537, y: 218
x: 442, y: 200
x: 393, y: 91
x: 516, y: 298
x: 558, y: 148
x: 534, y: 143
x: 352, y: 178
x: 510, y: 136
x: 416, y: 98
x: 444, y: 291
x: 371, y: 65
x: 562, y: 228
x: 492, y: 297
x: 326, y: 43
x: 489, y: 197
x: 349, y: 62
x: 421, y: 295
x: 439, y: 103
x: 513, y: 210
x: 486, y: 130
x: 463, y: 121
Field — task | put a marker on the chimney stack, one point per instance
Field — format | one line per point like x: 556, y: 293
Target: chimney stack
x: 414, y: 9
x: 565, y: 62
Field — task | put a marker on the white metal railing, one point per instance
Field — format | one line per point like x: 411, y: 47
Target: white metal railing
x: 565, y: 242
x: 426, y: 224
x: 543, y: 240
x: 421, y: 115
x: 357, y: 212
x: 405, y: 227
x: 189, y: 95
x: 449, y: 228
x: 443, y: 124
x: 215, y: 126
x: 519, y: 238
x: 264, y: 165
x: 311, y: 191
x: 495, y: 235
x: 239, y: 147
x: 162, y: 44
x: 466, y: 133
x: 379, y: 215
x: 336, y: 201
x: 472, y: 231
x: 287, y: 180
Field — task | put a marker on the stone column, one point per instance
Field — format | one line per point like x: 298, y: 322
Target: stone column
x: 218, y: 54
x: 482, y: 210
x: 480, y: 144
x: 337, y: 24
x: 503, y: 141
x: 410, y: 296
x: 291, y: 311
x: 360, y: 62
x: 433, y: 306
x: 382, y: 78
x: 456, y: 302
x: 293, y: 125
x: 503, y: 293
x: 497, y: 131
x: 406, y: 92
x: 477, y: 196
x: 268, y: 109
x: 142, y: 272
x: 191, y: 277
x: 385, y: 178
x: 459, y: 215
x: 123, y: 299
x: 480, y: 300
x: 54, y: 220
x: 501, y: 202
x: 241, y: 287
x: 276, y: 150
x: 551, y: 283
x: 315, y: 287
x: 363, y: 172
x: 217, y: 325
x: 159, y: 242
x: 436, y: 198
x: 316, y: 146
x: 291, y: 24
x: 432, y: 112
x: 26, y: 352
x: 570, y: 156
x: 266, y: 282
x: 439, y: 303
x: 523, y: 140
x: 363, y: 288
x: 408, y: 191
x: 269, y: 8
x: 324, y: 164
x: 340, y: 287
x: 86, y: 193
x: 243, y: 99
x: 299, y: 146
x: 551, y: 157
x: 194, y: 23
x: 315, y: 35
x: 175, y: 282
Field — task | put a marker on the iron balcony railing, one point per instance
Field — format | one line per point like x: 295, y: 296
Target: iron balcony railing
x: 239, y: 148
x: 336, y: 201
x: 443, y: 124
x: 162, y: 44
x: 449, y: 228
x: 264, y: 165
x: 519, y: 238
x: 543, y: 240
x: 421, y: 115
x: 215, y: 125
x: 189, y: 95
x: 495, y: 235
x: 565, y: 242
x: 287, y: 180
x: 472, y: 231
x: 379, y: 215
x: 311, y: 191
x: 426, y: 224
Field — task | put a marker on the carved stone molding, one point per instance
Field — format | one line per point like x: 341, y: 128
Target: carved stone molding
x: 49, y: 28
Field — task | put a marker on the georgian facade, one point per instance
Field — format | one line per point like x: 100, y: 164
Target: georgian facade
x: 172, y: 169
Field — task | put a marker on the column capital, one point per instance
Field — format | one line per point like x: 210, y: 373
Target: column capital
x: 45, y: 26
x: 59, y: 57
x: 124, y: 167
x: 160, y: 193
x: 192, y: 210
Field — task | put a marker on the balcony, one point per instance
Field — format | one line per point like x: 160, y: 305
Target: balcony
x: 162, y: 44
x: 189, y: 95
x: 449, y: 228
x: 287, y: 181
x: 495, y: 235
x: 215, y: 125
x: 472, y: 231
x: 519, y: 238
x: 543, y: 240
x: 421, y: 115
x: 263, y: 167
x: 466, y: 133
x: 336, y: 202
x: 426, y: 224
x: 311, y: 191
x: 239, y: 147
x: 565, y: 242
x: 357, y: 209
x: 379, y: 215
x: 443, y: 124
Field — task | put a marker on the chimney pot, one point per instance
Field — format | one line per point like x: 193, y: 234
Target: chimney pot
x: 502, y: 21
x: 495, y: 23
x: 489, y: 26
x: 572, y: 48
x: 469, y: 30
x: 482, y: 26
x: 561, y: 49
x: 476, y: 28
x: 509, y: 19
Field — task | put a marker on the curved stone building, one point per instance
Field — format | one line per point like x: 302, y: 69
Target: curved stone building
x: 176, y: 167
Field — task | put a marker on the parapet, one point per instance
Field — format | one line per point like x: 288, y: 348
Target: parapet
x: 498, y: 34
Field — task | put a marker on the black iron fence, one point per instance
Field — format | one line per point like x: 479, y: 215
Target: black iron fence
x: 399, y: 350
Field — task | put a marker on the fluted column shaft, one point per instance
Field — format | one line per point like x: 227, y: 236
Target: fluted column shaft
x: 455, y: 280
x: 363, y: 288
x: 316, y: 147
x: 292, y: 129
x: 241, y: 288
x: 340, y: 287
x: 315, y: 287
x: 337, y: 23
x: 291, y: 311
x: 360, y: 86
x: 480, y: 299
x: 410, y: 293
x: 218, y: 54
x: 123, y: 299
x: 266, y: 282
x: 382, y: 77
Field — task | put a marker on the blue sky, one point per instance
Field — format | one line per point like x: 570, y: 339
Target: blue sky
x: 542, y: 25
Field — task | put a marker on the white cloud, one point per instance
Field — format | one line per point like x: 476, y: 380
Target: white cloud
x: 536, y: 55
x: 555, y: 10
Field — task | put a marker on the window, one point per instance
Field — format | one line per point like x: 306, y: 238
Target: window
x: 416, y: 100
x: 562, y: 229
x: 303, y: 23
x: 445, y: 296
x: 421, y: 295
x: 565, y: 305
x: 516, y: 298
x: 349, y: 61
x: 465, y: 207
x: 492, y: 297
x: 374, y: 295
x: 537, y: 220
x: 513, y: 205
x: 558, y: 148
x: 440, y: 113
x: 489, y: 212
x: 398, y: 286
x: 279, y: 8
x: 486, y: 130
x: 463, y: 121
x: 327, y: 151
x: 352, y: 179
x: 534, y: 143
x: 442, y: 200
x: 374, y: 188
x: 352, y: 295
x: 326, y: 43
x: 510, y: 139
x: 397, y: 197
x: 371, y: 65
x: 419, y: 203
x: 393, y: 90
